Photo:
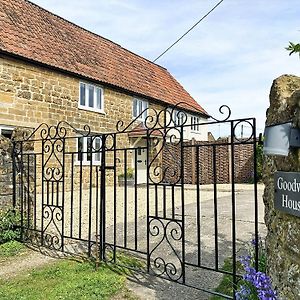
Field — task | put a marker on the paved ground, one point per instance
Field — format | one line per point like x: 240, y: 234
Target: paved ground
x: 154, y: 288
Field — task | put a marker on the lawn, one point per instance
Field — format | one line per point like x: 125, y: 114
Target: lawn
x: 64, y: 280
x: 11, y: 249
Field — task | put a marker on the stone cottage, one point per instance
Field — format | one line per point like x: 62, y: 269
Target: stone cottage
x: 52, y: 70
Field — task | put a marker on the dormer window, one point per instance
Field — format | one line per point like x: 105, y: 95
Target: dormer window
x: 91, y: 97
x: 138, y: 109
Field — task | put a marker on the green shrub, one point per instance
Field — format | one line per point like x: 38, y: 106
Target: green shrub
x: 11, y: 248
x: 9, y: 219
x: 129, y: 173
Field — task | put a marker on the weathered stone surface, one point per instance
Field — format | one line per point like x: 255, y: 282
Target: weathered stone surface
x: 283, y: 238
x: 6, y: 187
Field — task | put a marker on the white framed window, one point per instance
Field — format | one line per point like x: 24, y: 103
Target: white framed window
x: 91, y: 97
x: 178, y: 117
x: 195, y: 123
x: 139, y: 106
x: 6, y: 131
x: 89, y: 148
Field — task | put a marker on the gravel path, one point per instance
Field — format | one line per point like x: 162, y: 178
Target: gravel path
x: 19, y: 264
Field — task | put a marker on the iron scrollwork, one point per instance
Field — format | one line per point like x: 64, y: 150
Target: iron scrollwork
x: 59, y: 131
x: 224, y: 110
x: 163, y: 143
x: 168, y: 234
x: 52, y: 232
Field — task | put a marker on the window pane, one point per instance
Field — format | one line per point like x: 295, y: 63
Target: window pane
x: 134, y: 108
x: 98, y: 98
x: 145, y: 106
x: 82, y: 94
x: 140, y: 109
x: 97, y: 149
x: 7, y: 133
x: 80, y: 148
x: 91, y: 96
x: 89, y: 148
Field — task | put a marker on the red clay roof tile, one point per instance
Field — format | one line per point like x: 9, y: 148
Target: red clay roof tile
x: 31, y: 32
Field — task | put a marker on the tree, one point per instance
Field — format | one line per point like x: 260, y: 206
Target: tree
x: 294, y: 48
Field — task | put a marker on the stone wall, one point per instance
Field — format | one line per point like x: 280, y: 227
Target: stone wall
x: 6, y: 172
x: 31, y: 95
x: 283, y: 237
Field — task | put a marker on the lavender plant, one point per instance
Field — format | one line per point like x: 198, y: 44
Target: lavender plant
x: 256, y: 285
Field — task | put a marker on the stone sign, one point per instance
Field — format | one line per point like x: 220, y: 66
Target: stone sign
x: 287, y: 192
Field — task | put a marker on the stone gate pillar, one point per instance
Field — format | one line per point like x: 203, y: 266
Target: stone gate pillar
x: 283, y: 237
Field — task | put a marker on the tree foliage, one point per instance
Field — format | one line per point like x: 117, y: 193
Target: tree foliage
x: 293, y: 48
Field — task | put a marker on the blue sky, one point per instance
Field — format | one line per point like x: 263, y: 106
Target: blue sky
x: 230, y: 58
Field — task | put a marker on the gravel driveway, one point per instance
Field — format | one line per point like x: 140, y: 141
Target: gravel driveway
x: 133, y: 233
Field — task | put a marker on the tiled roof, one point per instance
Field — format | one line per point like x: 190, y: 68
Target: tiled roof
x: 33, y: 33
x: 140, y: 130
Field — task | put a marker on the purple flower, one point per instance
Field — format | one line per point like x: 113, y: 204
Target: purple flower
x: 256, y: 283
x: 243, y: 293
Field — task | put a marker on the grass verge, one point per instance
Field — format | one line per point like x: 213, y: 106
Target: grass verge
x: 65, y: 280
x: 225, y: 287
x: 11, y: 248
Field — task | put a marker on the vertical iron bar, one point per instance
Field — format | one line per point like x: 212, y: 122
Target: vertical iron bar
x: 80, y: 193
x: 97, y: 210
x: 233, y: 210
x: 14, y: 159
x: 28, y: 191
x: 164, y: 202
x: 115, y: 195
x: 34, y: 199
x: 47, y: 192
x: 198, y: 205
x: 63, y: 196
x: 156, y: 200
x: 135, y: 200
x: 215, y: 208
x: 173, y: 201
x: 21, y: 191
x: 182, y: 203
x: 255, y: 193
x: 148, y: 197
x: 57, y: 193
x: 103, y: 196
x: 52, y: 193
x: 72, y: 195
x: 90, y: 196
x: 43, y: 198
x: 125, y: 198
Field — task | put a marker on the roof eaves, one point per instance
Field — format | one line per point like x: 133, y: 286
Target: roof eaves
x: 81, y: 76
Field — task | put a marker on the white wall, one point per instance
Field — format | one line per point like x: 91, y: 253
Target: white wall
x: 200, y: 134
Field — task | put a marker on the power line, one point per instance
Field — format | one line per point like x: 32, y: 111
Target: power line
x: 188, y: 31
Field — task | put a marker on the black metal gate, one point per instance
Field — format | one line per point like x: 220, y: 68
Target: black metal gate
x: 130, y: 191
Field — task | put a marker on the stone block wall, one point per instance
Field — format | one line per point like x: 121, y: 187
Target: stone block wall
x: 283, y: 235
x: 6, y: 173
x: 31, y: 95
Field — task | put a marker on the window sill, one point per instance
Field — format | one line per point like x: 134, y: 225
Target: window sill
x: 99, y: 111
x: 87, y: 163
x: 138, y: 119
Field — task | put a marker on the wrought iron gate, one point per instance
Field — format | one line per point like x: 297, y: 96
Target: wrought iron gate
x: 83, y: 192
